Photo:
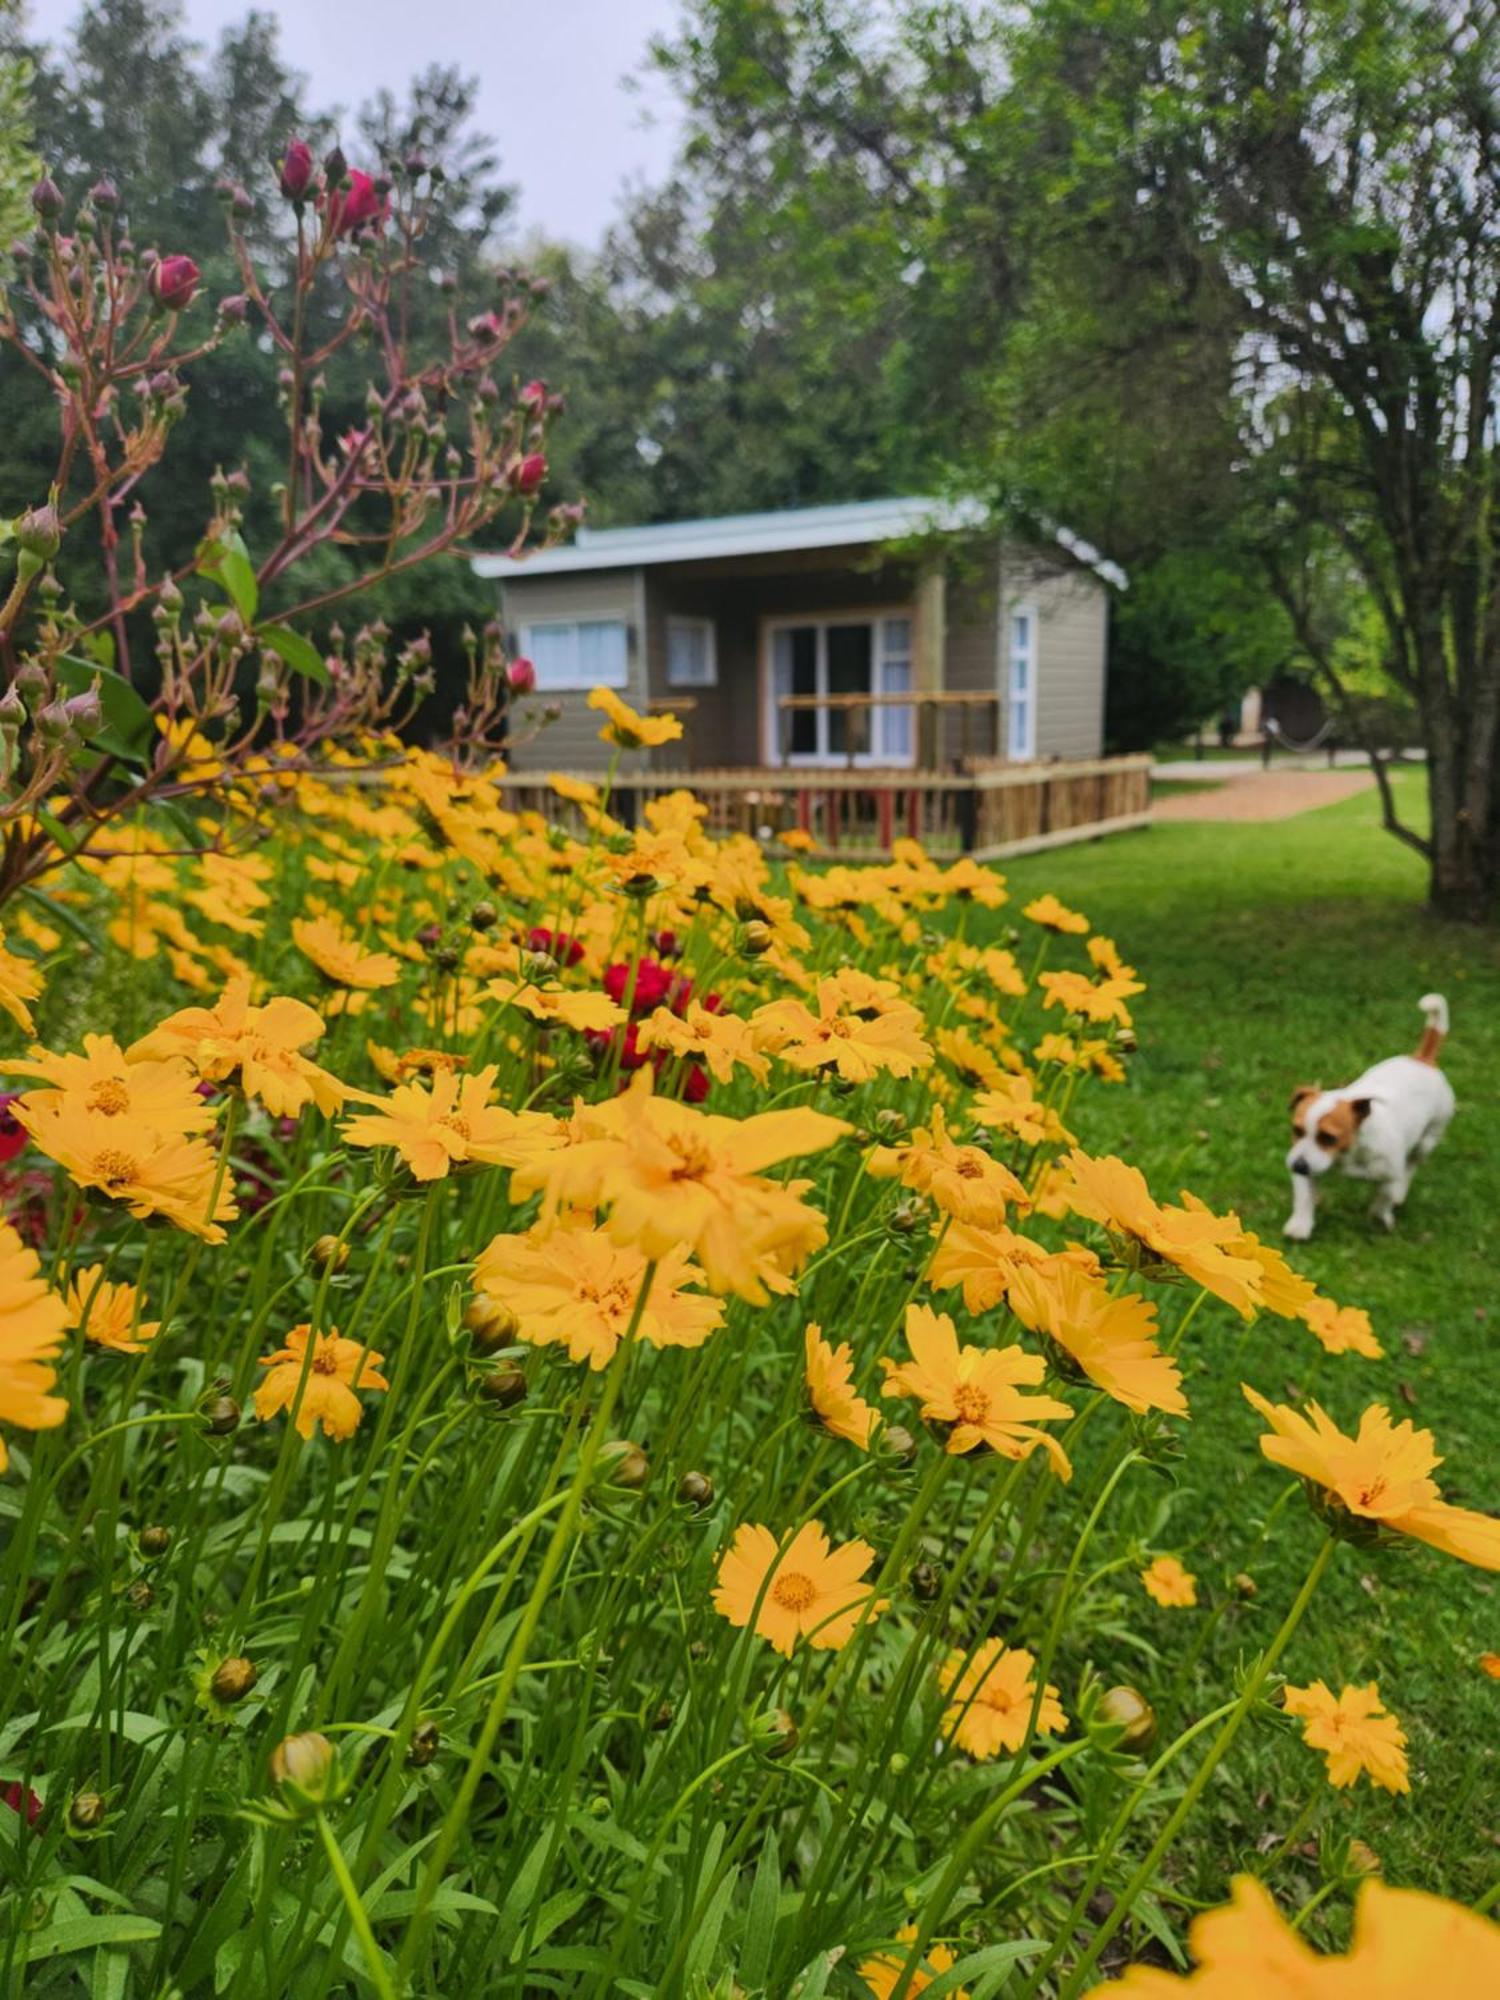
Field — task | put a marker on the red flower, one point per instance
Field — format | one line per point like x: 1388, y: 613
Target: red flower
x: 22, y: 1798
x: 557, y: 944
x: 360, y: 203
x: 530, y: 472
x: 655, y: 986
x: 521, y: 675
x: 12, y: 1134
x: 297, y: 170
x: 174, y: 280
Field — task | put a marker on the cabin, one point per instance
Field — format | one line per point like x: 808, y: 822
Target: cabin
x: 899, y: 636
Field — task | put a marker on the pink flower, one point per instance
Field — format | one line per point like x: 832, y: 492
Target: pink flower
x: 174, y: 280
x: 557, y: 944
x: 530, y: 472
x: 297, y: 170
x: 533, y: 396
x: 21, y: 1798
x: 521, y: 675
x: 361, y: 203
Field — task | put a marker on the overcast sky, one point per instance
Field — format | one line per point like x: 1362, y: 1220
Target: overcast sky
x: 551, y: 72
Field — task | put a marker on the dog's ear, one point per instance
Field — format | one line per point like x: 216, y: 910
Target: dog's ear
x: 1360, y: 1106
x: 1300, y: 1096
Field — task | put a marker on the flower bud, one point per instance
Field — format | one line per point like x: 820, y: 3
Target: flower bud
x: 39, y: 531
x: 908, y: 1215
x: 426, y: 1741
x: 889, y: 1122
x: 504, y: 1386
x: 520, y: 675
x: 233, y: 1679
x: 490, y: 1324
x: 31, y: 678
x: 12, y: 711
x: 897, y: 1443
x: 153, y: 1542
x: 46, y: 198
x: 774, y: 1732
x: 328, y: 1253
x: 1362, y: 1859
x: 530, y: 472
x: 87, y: 1812
x: 303, y: 1764
x: 696, y: 1490
x: 1127, y: 1710
x: 334, y: 163
x: 85, y: 712
x: 1243, y: 1584
x: 222, y: 1416
x: 756, y: 938
x: 104, y: 194
x: 296, y: 172
x: 234, y: 310
x: 925, y: 1583
x: 664, y: 1717
x: 174, y: 281
x: 483, y: 917
x: 625, y: 1464
x: 140, y: 1596
x: 52, y: 723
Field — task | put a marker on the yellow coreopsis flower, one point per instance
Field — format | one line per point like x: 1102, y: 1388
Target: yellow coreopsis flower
x: 964, y: 1181
x: 32, y: 1323
x: 722, y: 1042
x: 1094, y: 999
x: 108, y: 1081
x: 1404, y: 1942
x: 328, y: 1382
x: 808, y: 1590
x: 108, y: 1314
x: 992, y: 1693
x: 1283, y: 1291
x: 1354, y: 1731
x: 673, y: 1177
x: 976, y: 1391
x: 1012, y: 1105
x: 451, y: 1122
x: 971, y: 1062
x: 985, y: 1262
x: 1197, y: 1242
x: 1111, y: 1337
x: 575, y: 1287
x: 883, y: 1973
x: 972, y: 882
x: 262, y: 1049
x: 837, y: 1404
x: 152, y: 1171
x: 341, y: 958
x: 627, y: 729
x: 1055, y: 916
x: 1380, y: 1476
x: 1341, y: 1329
x: 558, y: 1005
x: 862, y: 1028
x: 1168, y: 1584
x: 20, y: 983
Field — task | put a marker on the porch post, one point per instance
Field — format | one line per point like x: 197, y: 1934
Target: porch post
x: 929, y: 663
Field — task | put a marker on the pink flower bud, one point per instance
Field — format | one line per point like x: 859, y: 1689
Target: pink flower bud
x: 531, y: 471
x: 521, y: 675
x: 533, y: 395
x: 174, y: 280
x: 361, y: 203
x: 296, y: 170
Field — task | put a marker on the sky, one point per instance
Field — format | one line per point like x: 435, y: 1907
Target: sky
x: 571, y: 135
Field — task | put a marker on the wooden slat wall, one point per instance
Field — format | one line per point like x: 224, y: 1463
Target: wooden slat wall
x: 856, y: 815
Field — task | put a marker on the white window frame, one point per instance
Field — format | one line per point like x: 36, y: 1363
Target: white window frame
x: 1021, y: 703
x: 878, y: 618
x: 710, y: 651
x: 580, y: 681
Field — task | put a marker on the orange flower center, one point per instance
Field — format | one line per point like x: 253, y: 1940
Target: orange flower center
x: 455, y: 1124
x: 110, y: 1096
x: 113, y: 1169
x: 970, y: 1167
x: 1373, y: 1494
x: 695, y: 1159
x: 971, y: 1403
x: 793, y: 1591
x: 325, y: 1362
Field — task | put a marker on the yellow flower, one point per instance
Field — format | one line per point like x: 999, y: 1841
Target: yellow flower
x: 152, y: 1172
x: 1094, y: 1000
x: 1167, y: 1583
x: 972, y: 883
x: 1354, y: 1731
x: 451, y: 1122
x: 628, y: 730
x: 964, y: 1181
x: 721, y: 1041
x: 262, y: 1049
x: 862, y: 1028
x: 401, y: 1065
x: 109, y: 1314
x: 672, y: 1176
x: 1380, y: 1476
x: 993, y: 1693
x: 837, y: 1404
x: 556, y: 1005
x: 577, y: 791
x: 1490, y: 1663
x: 577, y: 1288
x: 1112, y: 1338
x: 882, y: 1974
x: 985, y: 1263
x: 1055, y: 916
x: 338, y: 1367
x: 20, y: 983
x: 807, y: 1590
x: 108, y: 1081
x: 1283, y: 1291
x: 1404, y: 1942
x: 1341, y: 1329
x: 971, y: 1062
x: 976, y: 1390
x: 32, y: 1323
x: 797, y: 840
x: 1192, y: 1239
x: 1011, y: 1105
x: 341, y: 958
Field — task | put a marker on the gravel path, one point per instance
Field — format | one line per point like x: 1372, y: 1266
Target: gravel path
x: 1256, y: 795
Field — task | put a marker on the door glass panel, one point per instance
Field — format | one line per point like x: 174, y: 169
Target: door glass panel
x: 849, y: 662
x: 894, y: 735
x: 796, y: 670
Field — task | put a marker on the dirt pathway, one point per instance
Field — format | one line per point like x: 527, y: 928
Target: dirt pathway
x: 1261, y: 795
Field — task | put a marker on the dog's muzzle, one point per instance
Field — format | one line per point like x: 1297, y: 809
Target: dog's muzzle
x: 1301, y: 1167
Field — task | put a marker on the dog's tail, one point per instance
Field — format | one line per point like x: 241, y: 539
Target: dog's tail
x: 1435, y: 1011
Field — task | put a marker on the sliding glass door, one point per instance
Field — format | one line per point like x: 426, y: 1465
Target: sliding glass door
x: 821, y: 659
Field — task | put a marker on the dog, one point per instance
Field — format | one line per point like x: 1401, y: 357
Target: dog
x: 1377, y: 1128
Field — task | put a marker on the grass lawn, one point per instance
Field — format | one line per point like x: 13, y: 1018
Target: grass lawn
x: 1279, y: 954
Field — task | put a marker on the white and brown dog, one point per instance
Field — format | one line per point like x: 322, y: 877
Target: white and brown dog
x: 1376, y: 1128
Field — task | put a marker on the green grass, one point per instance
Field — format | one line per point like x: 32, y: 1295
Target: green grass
x: 1279, y: 954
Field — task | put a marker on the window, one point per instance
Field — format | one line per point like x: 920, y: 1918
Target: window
x: 893, y: 734
x: 691, y: 661
x: 578, y: 653
x: 1021, y: 738
x: 820, y: 660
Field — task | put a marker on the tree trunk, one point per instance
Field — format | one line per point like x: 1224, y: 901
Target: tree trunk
x: 1464, y: 883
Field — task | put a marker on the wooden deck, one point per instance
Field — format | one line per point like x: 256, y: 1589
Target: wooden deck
x: 989, y: 811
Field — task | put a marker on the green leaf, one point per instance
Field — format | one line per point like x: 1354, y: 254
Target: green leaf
x: 227, y: 561
x: 88, y: 1934
x: 126, y: 730
x: 760, y: 1924
x: 994, y: 1958
x: 296, y: 651
x: 60, y: 913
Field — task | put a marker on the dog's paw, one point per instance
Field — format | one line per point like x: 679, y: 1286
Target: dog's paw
x: 1383, y: 1218
x: 1297, y: 1228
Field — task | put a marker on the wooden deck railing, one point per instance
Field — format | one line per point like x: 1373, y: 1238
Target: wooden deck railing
x: 989, y: 812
